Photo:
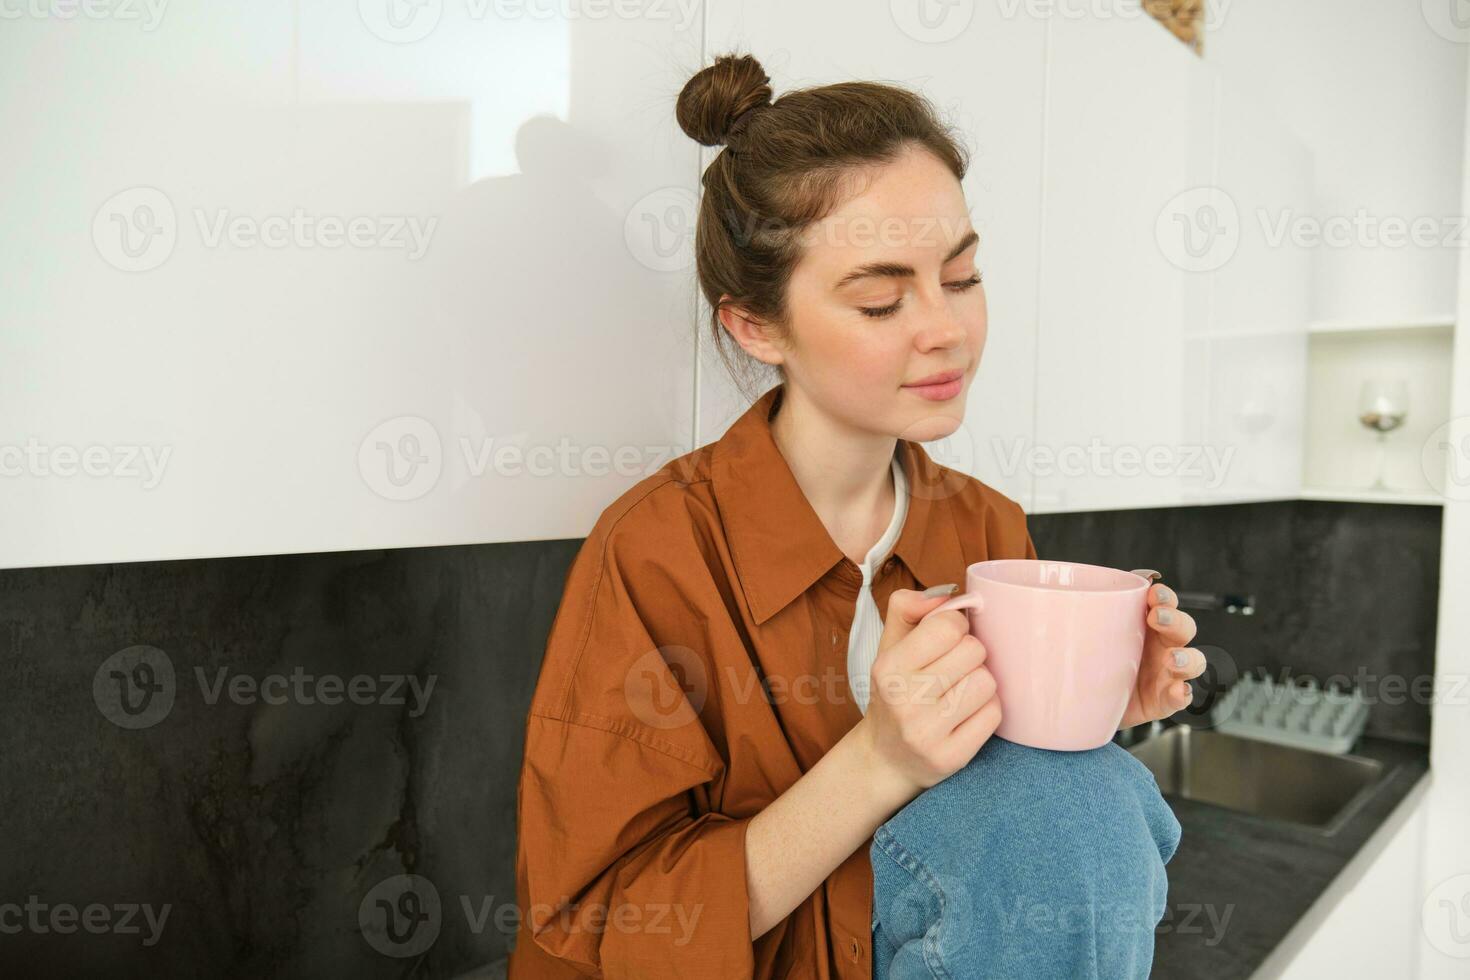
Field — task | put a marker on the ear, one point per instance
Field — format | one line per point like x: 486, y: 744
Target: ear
x: 752, y: 334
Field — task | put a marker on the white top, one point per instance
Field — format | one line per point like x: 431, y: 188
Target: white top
x: 867, y: 625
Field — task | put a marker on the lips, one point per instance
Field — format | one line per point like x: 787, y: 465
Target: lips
x: 936, y: 379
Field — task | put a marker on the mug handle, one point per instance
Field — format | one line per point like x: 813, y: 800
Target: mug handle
x: 965, y: 600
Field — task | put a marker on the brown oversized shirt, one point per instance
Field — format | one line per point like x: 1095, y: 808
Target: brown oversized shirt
x: 696, y: 668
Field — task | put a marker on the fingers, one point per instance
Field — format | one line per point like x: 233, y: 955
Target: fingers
x: 930, y: 640
x: 1176, y: 626
x: 1180, y: 664
x: 1185, y: 662
x: 954, y: 685
x: 967, y: 696
x: 975, y: 729
x: 1164, y: 614
x: 1162, y: 595
x: 952, y: 667
x: 906, y: 607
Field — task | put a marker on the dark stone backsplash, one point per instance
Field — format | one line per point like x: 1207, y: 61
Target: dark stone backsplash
x: 265, y: 829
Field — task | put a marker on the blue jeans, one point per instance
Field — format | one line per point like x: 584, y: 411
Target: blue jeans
x: 1027, y: 863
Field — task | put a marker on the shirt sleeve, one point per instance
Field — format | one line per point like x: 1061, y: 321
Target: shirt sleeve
x: 624, y: 878
x: 628, y: 867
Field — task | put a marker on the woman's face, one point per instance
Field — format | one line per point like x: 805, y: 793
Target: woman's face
x: 884, y: 296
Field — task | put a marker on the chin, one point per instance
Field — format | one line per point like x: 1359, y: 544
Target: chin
x: 937, y: 422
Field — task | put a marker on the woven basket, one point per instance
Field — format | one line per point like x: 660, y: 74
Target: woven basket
x: 1184, y: 18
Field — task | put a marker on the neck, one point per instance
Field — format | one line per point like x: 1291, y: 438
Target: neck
x: 845, y: 473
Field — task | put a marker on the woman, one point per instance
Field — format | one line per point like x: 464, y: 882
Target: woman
x: 704, y: 764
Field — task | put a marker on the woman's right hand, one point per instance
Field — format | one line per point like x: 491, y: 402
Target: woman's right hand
x: 932, y: 701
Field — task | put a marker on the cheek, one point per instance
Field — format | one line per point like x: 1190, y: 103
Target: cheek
x: 878, y: 357
x: 979, y: 329
x: 852, y: 367
x: 867, y: 351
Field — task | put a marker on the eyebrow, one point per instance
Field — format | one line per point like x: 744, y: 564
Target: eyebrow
x: 898, y: 268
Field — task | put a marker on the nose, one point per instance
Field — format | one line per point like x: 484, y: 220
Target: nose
x: 941, y: 328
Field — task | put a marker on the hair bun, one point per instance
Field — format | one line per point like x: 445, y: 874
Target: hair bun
x: 719, y: 101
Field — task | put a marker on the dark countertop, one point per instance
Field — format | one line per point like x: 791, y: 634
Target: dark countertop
x: 1238, y: 883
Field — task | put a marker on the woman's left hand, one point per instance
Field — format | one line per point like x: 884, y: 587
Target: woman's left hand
x: 1163, y: 685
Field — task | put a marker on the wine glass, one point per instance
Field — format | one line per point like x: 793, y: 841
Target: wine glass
x: 1382, y: 406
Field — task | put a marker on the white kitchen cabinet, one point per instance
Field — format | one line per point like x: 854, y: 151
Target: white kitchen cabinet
x: 255, y: 385
x: 1244, y: 412
x: 1378, y: 89
x: 1246, y: 361
x: 984, y: 71
x: 287, y: 278
x: 1367, y: 922
x: 1128, y: 163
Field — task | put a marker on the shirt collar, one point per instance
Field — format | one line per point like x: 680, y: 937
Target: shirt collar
x: 778, y: 543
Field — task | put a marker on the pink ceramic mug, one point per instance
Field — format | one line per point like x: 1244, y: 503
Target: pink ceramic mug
x: 1063, y: 641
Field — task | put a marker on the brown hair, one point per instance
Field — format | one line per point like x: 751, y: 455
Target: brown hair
x: 785, y: 165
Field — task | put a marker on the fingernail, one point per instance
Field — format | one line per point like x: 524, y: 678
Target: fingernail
x: 938, y: 590
x: 1165, y: 595
x: 1181, y: 657
x: 1166, y: 616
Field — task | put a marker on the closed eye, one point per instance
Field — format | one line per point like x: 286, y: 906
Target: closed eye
x: 879, y: 312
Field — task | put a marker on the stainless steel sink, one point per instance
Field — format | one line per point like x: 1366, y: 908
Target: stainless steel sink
x: 1318, y: 790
